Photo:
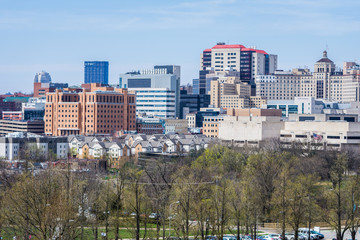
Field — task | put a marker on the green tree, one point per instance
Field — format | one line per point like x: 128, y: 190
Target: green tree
x: 37, y: 206
x: 336, y: 199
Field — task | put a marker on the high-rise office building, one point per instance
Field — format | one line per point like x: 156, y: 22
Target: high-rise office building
x: 157, y: 90
x: 96, y: 72
x: 250, y: 62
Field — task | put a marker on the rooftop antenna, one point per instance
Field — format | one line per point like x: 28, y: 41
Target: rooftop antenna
x: 327, y: 47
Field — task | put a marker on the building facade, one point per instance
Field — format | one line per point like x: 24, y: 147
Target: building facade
x: 211, y: 126
x: 157, y: 102
x: 176, y: 126
x: 12, y: 145
x: 323, y: 83
x: 249, y: 62
x: 8, y: 106
x: 12, y: 115
x: 192, y: 102
x: 228, y: 91
x: 321, y: 135
x: 34, y: 109
x: 149, y: 125
x: 160, y: 90
x: 196, y: 119
x: 31, y: 126
x: 300, y: 105
x: 95, y: 111
x: 96, y: 72
x: 40, y: 89
x: 250, y: 130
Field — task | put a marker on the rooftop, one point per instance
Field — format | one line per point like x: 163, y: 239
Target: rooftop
x: 242, y: 48
x: 228, y: 46
x: 325, y: 58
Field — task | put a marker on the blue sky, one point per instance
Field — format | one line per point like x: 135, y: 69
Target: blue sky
x: 58, y: 36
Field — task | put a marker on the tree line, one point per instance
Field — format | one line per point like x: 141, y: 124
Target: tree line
x: 215, y: 192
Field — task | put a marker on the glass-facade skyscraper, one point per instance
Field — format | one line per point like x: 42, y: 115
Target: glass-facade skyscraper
x: 96, y: 72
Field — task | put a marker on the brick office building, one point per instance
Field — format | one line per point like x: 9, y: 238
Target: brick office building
x: 98, y: 110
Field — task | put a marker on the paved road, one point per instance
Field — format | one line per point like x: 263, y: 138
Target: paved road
x: 328, y: 234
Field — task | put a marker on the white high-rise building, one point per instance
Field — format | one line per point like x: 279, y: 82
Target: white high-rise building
x: 158, y: 102
x: 157, y: 90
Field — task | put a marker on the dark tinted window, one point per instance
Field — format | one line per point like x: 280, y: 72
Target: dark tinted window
x: 139, y: 83
x: 302, y: 119
x: 349, y: 119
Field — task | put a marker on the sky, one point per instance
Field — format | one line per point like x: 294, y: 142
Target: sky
x: 58, y: 36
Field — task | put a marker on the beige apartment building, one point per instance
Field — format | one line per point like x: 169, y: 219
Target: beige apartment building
x: 323, y: 83
x: 95, y: 110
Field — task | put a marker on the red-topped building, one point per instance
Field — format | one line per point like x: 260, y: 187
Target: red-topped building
x: 249, y: 61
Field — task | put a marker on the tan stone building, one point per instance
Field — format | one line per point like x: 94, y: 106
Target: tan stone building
x: 211, y: 125
x: 228, y: 91
x: 97, y: 110
x: 324, y: 83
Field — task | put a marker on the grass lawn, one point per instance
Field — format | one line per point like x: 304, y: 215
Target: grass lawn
x: 124, y: 233
x: 88, y: 233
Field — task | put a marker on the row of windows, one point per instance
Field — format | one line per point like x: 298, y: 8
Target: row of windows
x: 210, y: 130
x: 328, y: 137
x: 164, y: 101
x: 157, y: 96
x: 144, y: 105
x: 146, y: 110
x: 152, y: 91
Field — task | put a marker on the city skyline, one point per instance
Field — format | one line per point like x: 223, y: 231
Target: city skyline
x: 59, y: 37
